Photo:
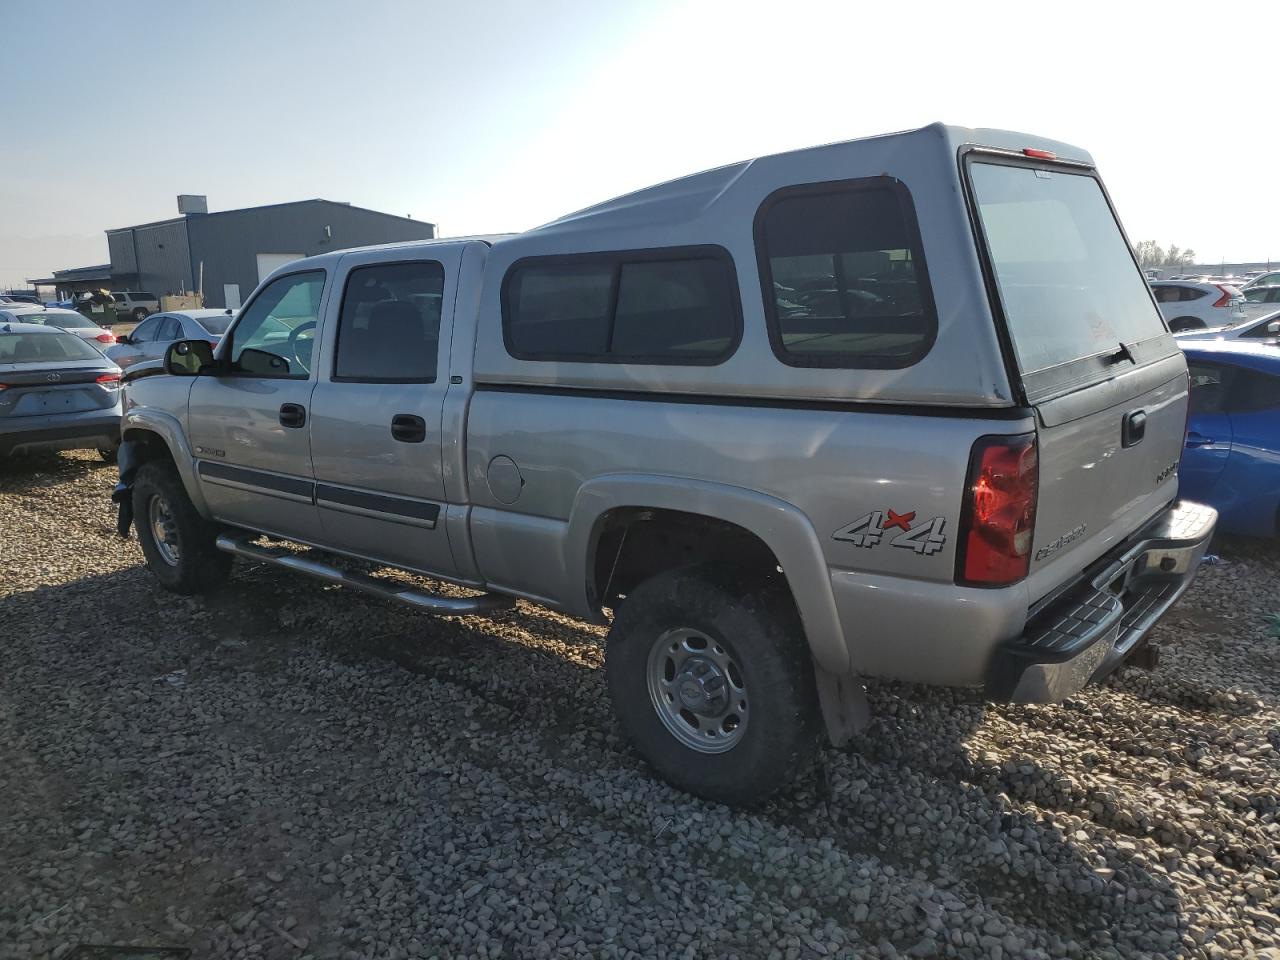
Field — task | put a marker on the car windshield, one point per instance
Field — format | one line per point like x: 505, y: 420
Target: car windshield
x: 216, y: 324
x: 44, y: 348
x: 1067, y: 280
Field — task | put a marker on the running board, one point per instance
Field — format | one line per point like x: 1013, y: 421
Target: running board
x: 387, y: 590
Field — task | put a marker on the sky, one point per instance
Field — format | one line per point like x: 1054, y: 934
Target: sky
x: 498, y: 116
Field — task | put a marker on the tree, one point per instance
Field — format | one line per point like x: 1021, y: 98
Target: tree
x: 1175, y: 256
x: 1150, y: 254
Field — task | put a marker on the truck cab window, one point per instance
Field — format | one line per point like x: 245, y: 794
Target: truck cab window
x: 389, y: 327
x: 276, y: 332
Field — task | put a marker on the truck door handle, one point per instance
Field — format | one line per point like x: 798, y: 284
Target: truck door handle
x: 1134, y: 428
x: 1198, y: 439
x: 292, y: 415
x: 408, y: 428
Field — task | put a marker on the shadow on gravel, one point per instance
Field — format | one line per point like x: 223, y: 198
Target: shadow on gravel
x: 967, y: 827
x: 910, y: 797
x: 39, y: 470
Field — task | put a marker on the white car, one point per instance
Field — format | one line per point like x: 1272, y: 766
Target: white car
x: 1191, y: 305
x: 1261, y: 299
x: 138, y: 304
x: 1264, y: 280
x: 151, y: 338
x: 68, y: 320
x: 1255, y: 328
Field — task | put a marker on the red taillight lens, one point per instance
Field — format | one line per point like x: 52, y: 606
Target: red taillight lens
x: 1225, y: 299
x: 109, y: 380
x: 999, y: 513
x: 1039, y: 154
x: 105, y: 338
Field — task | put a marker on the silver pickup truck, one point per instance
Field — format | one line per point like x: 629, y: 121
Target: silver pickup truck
x: 899, y: 407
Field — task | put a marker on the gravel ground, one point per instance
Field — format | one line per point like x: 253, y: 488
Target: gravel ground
x: 289, y: 770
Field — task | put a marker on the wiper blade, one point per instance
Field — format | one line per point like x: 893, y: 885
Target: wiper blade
x: 1124, y: 353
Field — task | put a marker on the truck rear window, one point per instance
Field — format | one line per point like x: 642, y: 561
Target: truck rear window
x: 1067, y: 281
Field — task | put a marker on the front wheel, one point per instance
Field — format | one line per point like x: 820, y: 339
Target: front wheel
x: 177, y: 542
x: 139, y: 314
x: 712, y: 683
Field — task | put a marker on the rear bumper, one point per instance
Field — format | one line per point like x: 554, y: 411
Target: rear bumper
x: 96, y: 428
x: 1087, y: 633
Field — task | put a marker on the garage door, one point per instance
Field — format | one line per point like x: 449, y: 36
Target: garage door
x: 268, y: 262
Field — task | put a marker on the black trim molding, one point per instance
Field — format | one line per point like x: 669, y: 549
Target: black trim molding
x: 724, y: 400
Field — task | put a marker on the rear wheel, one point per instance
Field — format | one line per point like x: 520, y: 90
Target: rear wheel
x: 177, y: 542
x: 1186, y: 323
x: 712, y: 683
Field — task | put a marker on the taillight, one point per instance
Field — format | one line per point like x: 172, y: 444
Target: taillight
x: 998, y: 517
x: 109, y: 380
x: 105, y: 338
x: 1225, y: 299
x: 1039, y: 154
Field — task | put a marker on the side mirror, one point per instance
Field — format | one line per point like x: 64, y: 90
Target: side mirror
x: 188, y: 358
x: 123, y: 338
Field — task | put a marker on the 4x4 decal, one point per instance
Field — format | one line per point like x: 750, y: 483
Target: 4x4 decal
x: 870, y: 529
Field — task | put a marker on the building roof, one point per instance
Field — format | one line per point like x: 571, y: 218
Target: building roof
x: 101, y: 271
x: 267, y: 206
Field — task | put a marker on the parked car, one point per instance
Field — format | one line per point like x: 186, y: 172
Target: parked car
x: 1264, y: 327
x: 149, y: 339
x: 1191, y: 305
x: 1261, y: 299
x: 135, y: 303
x: 742, y: 412
x: 19, y: 298
x: 1270, y: 279
x: 69, y: 320
x: 1232, y: 455
x: 56, y: 392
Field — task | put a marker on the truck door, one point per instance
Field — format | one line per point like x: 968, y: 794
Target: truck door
x: 377, y: 410
x: 248, y: 426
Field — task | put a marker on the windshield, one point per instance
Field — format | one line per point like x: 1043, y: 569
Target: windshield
x: 44, y: 348
x: 1067, y: 281
x: 216, y: 324
x: 66, y: 321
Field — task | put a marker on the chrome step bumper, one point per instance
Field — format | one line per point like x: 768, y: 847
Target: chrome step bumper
x: 1085, y: 635
x: 385, y: 589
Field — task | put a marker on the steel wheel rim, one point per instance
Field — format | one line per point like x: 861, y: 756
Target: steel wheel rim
x: 697, y: 690
x: 164, y: 530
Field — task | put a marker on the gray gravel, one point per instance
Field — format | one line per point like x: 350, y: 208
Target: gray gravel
x: 289, y: 770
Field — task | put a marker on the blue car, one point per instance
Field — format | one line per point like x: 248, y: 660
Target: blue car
x: 1232, y: 455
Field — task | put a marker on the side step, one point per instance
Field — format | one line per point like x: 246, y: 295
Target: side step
x: 387, y: 590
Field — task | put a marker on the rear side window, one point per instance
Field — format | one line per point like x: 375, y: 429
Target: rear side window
x: 670, y: 306
x: 1256, y: 391
x: 1210, y: 386
x: 1067, y: 280
x: 843, y: 275
x: 389, y: 327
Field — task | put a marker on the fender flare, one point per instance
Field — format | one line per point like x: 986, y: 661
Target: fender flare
x: 167, y: 427
x: 780, y: 525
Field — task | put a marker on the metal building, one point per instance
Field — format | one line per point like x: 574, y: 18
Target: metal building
x: 225, y: 254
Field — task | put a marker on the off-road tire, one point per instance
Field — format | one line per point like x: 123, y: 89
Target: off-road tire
x: 758, y: 621
x: 199, y: 565
x: 1182, y: 324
